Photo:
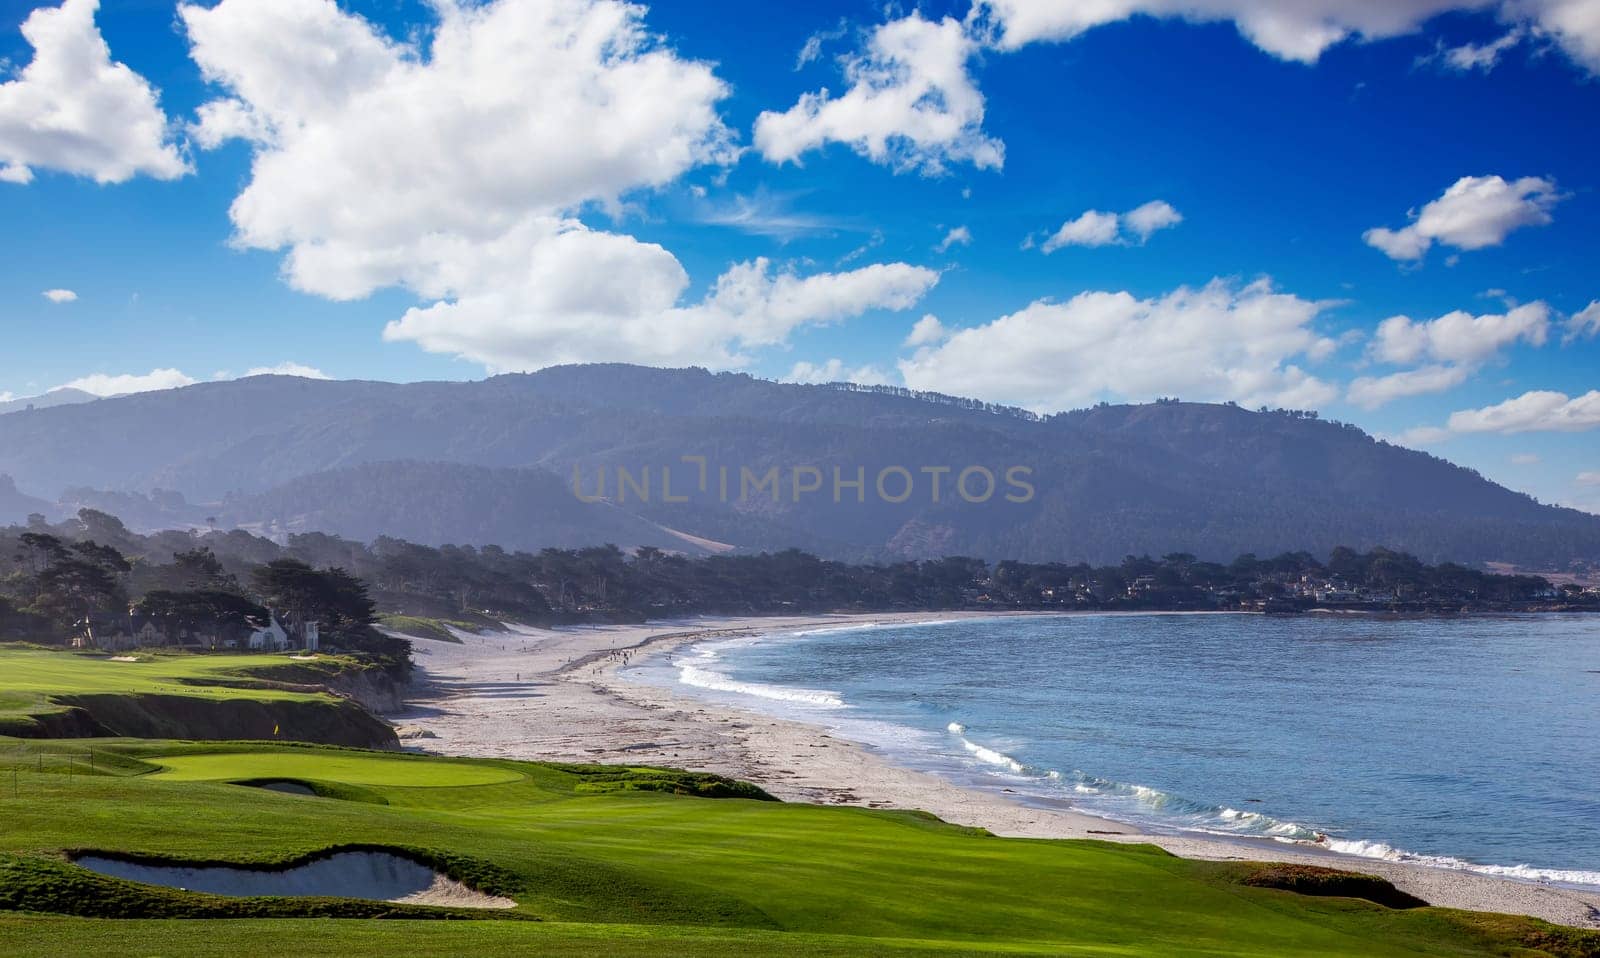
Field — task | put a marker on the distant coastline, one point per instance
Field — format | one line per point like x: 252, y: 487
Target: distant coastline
x: 557, y: 694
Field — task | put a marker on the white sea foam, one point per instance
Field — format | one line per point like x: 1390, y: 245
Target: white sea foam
x: 1384, y: 852
x: 1139, y: 805
x: 696, y: 671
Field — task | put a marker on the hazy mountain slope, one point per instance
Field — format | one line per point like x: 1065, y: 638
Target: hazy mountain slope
x: 16, y: 506
x: 434, y: 503
x: 1211, y: 479
x: 58, y: 397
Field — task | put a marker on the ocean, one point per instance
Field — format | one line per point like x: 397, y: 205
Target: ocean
x: 1462, y: 742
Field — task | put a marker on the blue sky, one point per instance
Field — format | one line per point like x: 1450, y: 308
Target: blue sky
x: 402, y: 191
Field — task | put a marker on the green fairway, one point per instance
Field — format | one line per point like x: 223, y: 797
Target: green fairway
x: 349, y: 768
x: 46, y: 693
x: 611, y: 862
x: 32, y: 676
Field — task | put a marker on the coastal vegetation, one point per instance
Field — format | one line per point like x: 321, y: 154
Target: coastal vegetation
x: 629, y: 870
x: 53, y: 576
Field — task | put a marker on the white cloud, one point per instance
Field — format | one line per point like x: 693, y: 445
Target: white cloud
x: 101, y: 384
x: 927, y: 331
x: 74, y: 109
x: 1221, y: 341
x: 1299, y: 30
x: 1525, y: 459
x: 571, y: 309
x: 960, y: 236
x: 1460, y: 337
x: 60, y: 295
x: 1092, y: 228
x: 1477, y: 56
x: 1289, y: 29
x: 286, y: 369
x: 765, y: 214
x: 1573, y: 24
x: 811, y: 51
x: 1585, y: 323
x: 1537, y: 411
x: 1588, y: 479
x: 1474, y: 213
x: 1370, y: 392
x: 1453, y: 346
x: 834, y: 371
x: 911, y: 104
x: 1098, y: 228
x: 458, y: 167
x: 1152, y: 216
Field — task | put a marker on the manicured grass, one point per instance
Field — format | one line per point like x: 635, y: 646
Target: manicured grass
x: 350, y: 768
x: 51, y: 693
x: 31, y: 677
x: 623, y: 871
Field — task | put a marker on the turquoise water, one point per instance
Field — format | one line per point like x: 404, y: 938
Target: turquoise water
x: 1463, y: 742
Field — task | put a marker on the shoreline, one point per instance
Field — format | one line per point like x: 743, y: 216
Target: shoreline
x: 557, y: 695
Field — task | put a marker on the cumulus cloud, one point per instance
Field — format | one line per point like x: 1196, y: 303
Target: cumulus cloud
x: 1460, y: 337
x: 1370, y: 392
x: 458, y: 166
x: 60, y: 295
x: 927, y: 331
x: 1474, y: 213
x: 960, y: 236
x: 1298, y: 30
x: 1092, y: 228
x: 1221, y: 341
x: 1535, y: 411
x: 1098, y: 228
x: 1585, y: 323
x: 74, y: 109
x: 834, y: 371
x: 101, y: 384
x: 289, y: 369
x: 1149, y: 218
x: 1290, y: 29
x: 571, y: 309
x: 1453, y: 347
x: 911, y: 104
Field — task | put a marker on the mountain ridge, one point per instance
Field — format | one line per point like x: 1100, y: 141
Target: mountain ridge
x: 467, y: 461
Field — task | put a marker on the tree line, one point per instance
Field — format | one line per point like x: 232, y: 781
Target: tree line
x: 51, y: 577
x: 55, y: 579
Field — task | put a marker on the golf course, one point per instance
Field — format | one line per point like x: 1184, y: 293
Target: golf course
x: 54, y: 694
x: 622, y: 861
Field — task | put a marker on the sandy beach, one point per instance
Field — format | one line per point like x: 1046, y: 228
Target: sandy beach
x: 555, y: 694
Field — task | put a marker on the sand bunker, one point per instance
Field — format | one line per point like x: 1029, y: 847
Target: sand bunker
x: 288, y: 788
x: 378, y: 876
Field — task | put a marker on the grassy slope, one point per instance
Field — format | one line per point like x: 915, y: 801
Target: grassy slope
x: 421, y: 627
x: 176, y: 694
x: 638, y: 872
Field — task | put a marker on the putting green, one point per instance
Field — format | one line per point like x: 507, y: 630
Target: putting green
x: 351, y: 769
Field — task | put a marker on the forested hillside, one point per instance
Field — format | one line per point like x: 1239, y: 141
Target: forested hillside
x: 493, y: 462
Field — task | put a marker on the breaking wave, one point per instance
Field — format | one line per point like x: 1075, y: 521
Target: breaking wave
x: 1146, y: 806
x: 696, y: 671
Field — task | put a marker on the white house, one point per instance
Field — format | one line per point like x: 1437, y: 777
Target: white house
x: 269, y: 638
